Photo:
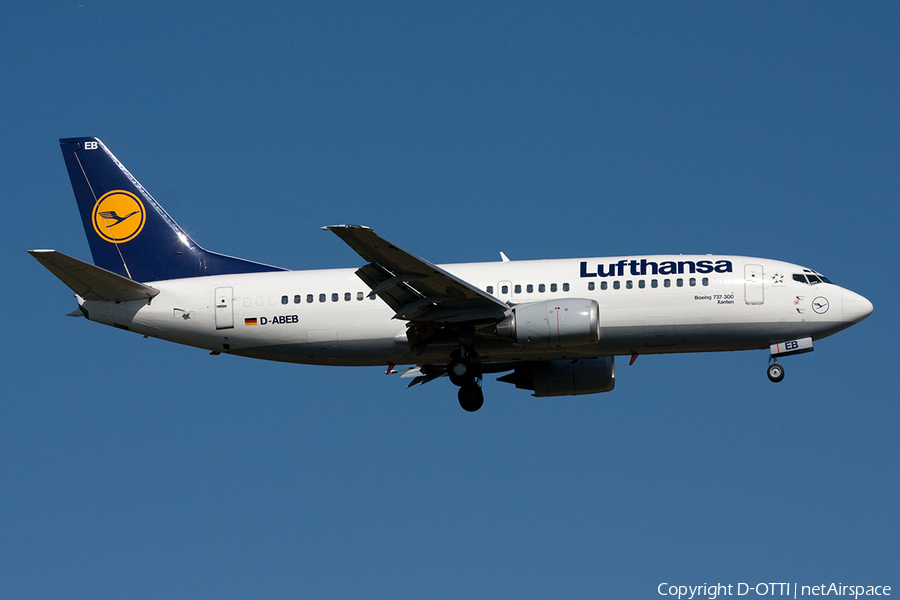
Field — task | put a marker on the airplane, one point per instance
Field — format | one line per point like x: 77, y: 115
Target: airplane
x: 554, y: 327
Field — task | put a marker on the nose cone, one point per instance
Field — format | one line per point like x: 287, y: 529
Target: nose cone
x: 856, y: 308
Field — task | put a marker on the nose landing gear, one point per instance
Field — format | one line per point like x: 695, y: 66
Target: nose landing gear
x: 775, y: 372
x: 788, y: 348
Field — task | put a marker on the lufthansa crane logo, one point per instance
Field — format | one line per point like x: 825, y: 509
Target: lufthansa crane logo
x: 118, y: 216
x: 820, y: 305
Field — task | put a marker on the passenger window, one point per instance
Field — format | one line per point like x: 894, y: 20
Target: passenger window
x: 667, y: 283
x: 679, y: 282
x: 616, y: 285
x: 360, y: 295
x: 490, y: 289
x: 542, y: 288
x: 504, y: 289
x: 705, y: 281
x: 284, y: 299
x: 518, y: 288
x: 591, y: 286
x: 654, y: 283
x: 529, y: 288
x: 629, y: 284
x: 692, y: 281
x: 604, y: 285
x: 552, y: 287
x: 309, y: 298
x: 335, y: 297
x: 297, y: 299
x: 565, y: 287
x: 321, y: 297
x: 347, y: 296
x: 642, y: 284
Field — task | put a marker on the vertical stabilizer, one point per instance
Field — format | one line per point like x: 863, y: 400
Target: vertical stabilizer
x: 128, y: 231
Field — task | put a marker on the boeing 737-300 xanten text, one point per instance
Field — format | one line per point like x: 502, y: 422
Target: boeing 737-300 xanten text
x: 553, y: 326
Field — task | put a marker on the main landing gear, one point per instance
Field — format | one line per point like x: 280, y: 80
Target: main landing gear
x: 775, y: 372
x: 467, y: 375
x: 471, y: 398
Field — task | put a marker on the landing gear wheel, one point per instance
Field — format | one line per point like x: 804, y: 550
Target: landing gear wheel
x: 775, y: 372
x: 471, y: 398
x: 460, y: 372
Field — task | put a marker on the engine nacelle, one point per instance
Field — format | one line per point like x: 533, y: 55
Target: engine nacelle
x: 553, y: 324
x: 565, y: 377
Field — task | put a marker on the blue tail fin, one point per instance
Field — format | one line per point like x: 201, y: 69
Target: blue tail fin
x: 129, y: 233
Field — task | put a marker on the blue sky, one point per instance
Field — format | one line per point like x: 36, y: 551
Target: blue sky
x: 137, y: 468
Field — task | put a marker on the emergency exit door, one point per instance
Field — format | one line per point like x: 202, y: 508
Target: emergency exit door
x: 224, y: 308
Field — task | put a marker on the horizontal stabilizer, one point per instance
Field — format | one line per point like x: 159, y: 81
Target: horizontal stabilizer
x: 91, y: 282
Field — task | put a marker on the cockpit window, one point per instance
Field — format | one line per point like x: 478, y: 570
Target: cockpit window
x: 810, y: 278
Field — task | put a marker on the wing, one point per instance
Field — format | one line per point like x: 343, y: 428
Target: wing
x: 414, y: 288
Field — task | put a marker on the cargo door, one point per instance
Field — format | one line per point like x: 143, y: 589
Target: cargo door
x: 224, y: 308
x: 753, y: 284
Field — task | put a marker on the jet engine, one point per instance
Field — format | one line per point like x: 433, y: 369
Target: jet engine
x: 565, y: 377
x: 553, y: 324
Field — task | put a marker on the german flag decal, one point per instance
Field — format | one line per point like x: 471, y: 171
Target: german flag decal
x: 251, y: 321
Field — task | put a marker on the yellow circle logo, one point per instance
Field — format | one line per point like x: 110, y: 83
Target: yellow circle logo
x: 119, y: 216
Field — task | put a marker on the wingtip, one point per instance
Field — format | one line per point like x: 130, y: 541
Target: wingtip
x: 347, y: 226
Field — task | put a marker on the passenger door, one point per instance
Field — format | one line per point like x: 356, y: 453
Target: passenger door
x: 753, y: 284
x: 224, y: 308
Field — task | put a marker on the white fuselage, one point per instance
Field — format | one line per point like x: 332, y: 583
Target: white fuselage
x: 648, y: 305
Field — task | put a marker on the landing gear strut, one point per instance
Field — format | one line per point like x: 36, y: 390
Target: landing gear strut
x: 775, y: 372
